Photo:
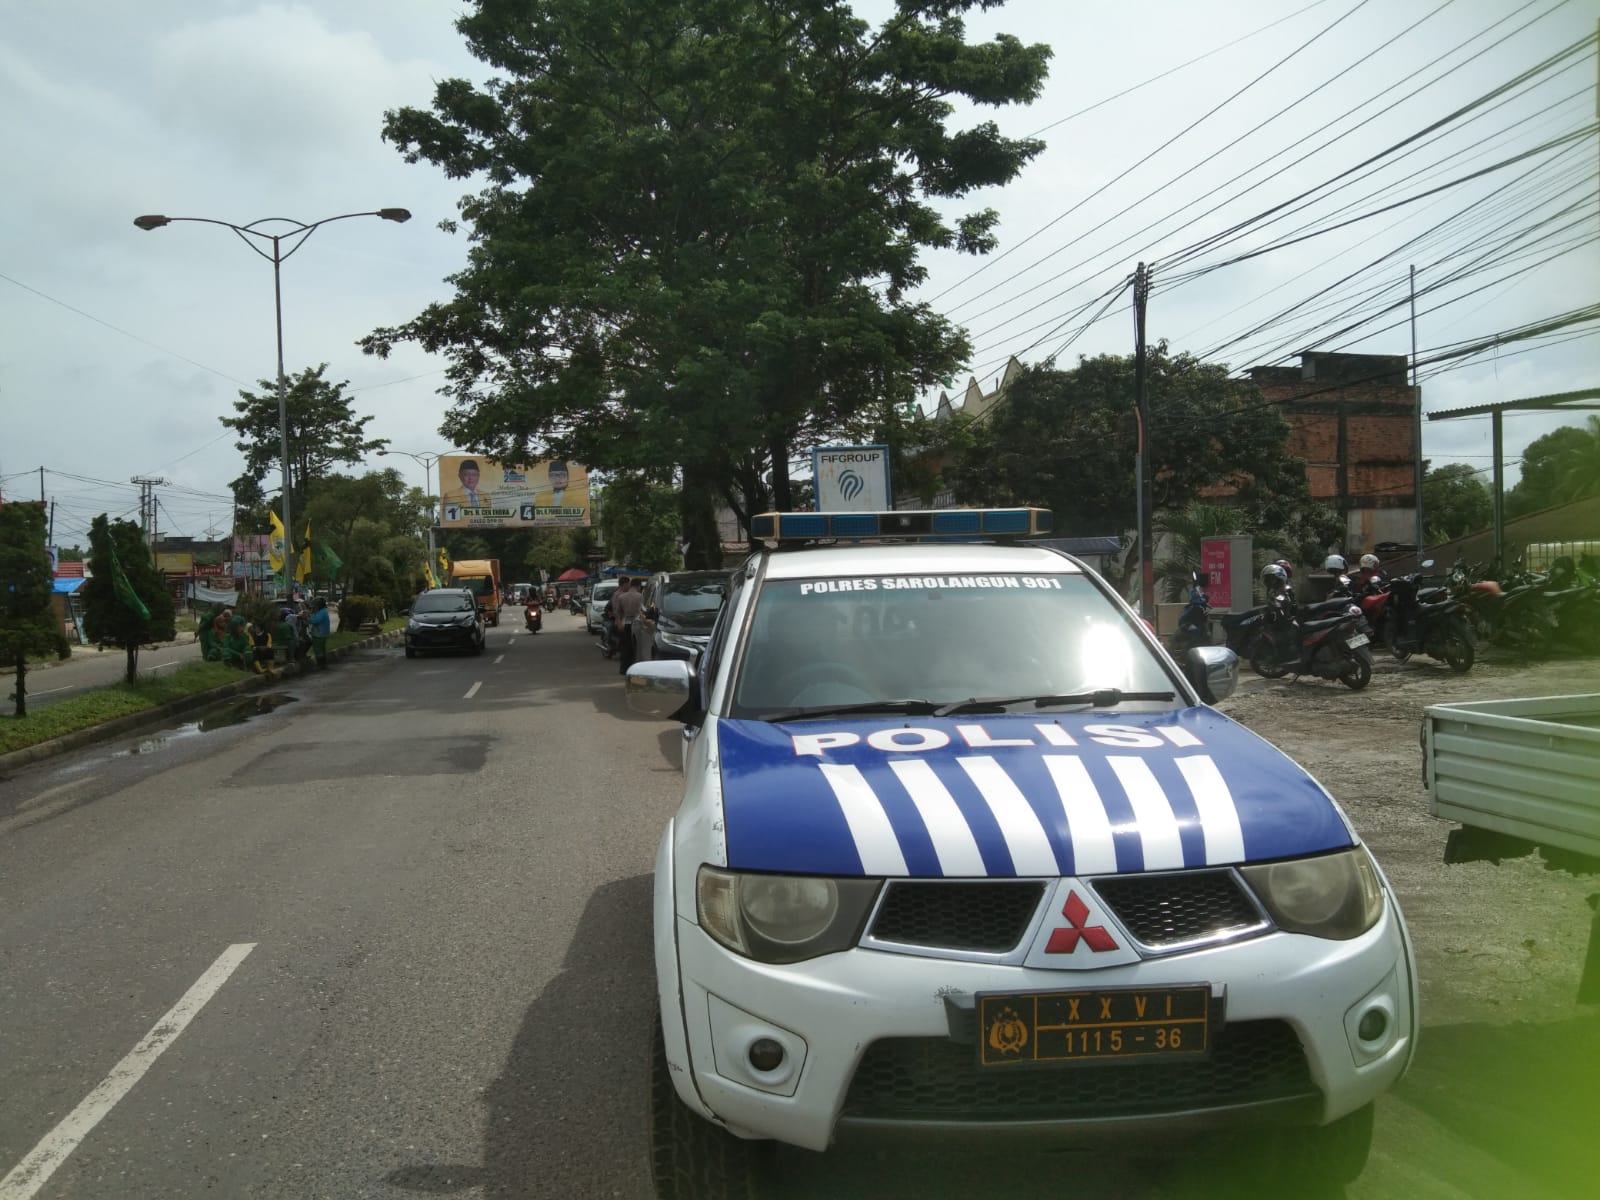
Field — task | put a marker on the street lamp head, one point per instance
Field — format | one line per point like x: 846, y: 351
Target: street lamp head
x: 152, y: 221
x: 388, y: 214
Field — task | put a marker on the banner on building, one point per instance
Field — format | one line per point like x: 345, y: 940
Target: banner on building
x: 852, y: 479
x: 483, y: 493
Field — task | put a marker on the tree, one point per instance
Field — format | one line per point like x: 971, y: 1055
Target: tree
x: 376, y: 527
x: 1546, y: 469
x: 639, y: 521
x: 701, y: 224
x: 69, y: 554
x: 323, y: 430
x: 28, y: 626
x: 1454, y: 502
x: 1066, y: 440
x: 126, y: 602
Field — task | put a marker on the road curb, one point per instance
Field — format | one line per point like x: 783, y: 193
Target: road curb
x: 133, y: 722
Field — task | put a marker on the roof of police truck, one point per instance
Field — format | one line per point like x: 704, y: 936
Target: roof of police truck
x: 899, y: 558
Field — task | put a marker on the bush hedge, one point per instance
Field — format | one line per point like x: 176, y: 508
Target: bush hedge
x: 356, y: 611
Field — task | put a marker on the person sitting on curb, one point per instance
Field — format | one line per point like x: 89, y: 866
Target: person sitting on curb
x: 207, y: 636
x: 236, y: 647
x: 260, y: 649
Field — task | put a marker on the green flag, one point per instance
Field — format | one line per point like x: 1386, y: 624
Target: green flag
x: 124, y: 589
x: 331, y: 562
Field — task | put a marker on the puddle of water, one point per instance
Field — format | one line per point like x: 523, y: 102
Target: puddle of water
x: 236, y: 712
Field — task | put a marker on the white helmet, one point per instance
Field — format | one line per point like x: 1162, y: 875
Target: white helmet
x: 1334, y: 563
x: 1272, y: 575
x: 1369, y: 562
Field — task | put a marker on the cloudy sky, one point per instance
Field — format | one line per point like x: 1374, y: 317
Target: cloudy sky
x: 123, y: 347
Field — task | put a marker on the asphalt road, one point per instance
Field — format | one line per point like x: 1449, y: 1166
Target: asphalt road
x: 386, y: 933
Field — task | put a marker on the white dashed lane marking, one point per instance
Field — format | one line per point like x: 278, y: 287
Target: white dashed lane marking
x: 471, y: 692
x: 31, y: 1174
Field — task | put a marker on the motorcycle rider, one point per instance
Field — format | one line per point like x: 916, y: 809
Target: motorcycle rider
x: 1367, y: 573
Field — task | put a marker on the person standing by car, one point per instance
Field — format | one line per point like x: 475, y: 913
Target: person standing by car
x: 625, y: 606
x: 321, y: 628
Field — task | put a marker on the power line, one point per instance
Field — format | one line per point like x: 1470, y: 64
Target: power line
x: 1195, y: 219
x: 1360, y: 4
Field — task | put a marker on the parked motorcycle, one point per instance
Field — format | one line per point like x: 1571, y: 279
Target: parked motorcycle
x: 1574, y: 603
x: 1194, y: 627
x: 533, y: 615
x: 1511, y: 610
x: 1329, y: 647
x: 1422, y: 619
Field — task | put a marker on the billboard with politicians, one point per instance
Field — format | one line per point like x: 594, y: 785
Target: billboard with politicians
x: 482, y: 493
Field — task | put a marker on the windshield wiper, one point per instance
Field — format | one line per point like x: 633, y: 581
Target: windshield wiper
x: 1104, y: 698
x: 918, y: 707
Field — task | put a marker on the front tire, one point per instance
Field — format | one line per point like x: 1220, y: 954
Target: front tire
x: 1358, y: 671
x: 1456, y: 647
x: 690, y: 1158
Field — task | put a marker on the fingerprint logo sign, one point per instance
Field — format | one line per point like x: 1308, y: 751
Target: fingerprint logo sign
x: 852, y: 478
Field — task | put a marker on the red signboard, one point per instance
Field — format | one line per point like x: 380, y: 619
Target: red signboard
x: 1216, y: 568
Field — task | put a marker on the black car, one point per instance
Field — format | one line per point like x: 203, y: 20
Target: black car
x: 445, y: 619
x: 678, y: 611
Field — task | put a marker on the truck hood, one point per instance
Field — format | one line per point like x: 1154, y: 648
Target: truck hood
x: 1035, y: 795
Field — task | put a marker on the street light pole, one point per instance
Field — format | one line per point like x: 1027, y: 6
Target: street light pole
x: 299, y: 231
x: 427, y: 461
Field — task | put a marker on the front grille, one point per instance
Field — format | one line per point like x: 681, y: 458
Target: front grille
x: 979, y: 915
x: 911, y: 1079
x: 1186, y: 906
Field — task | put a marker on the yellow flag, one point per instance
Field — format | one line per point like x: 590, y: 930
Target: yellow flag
x: 444, y: 564
x: 275, y: 543
x: 302, y: 571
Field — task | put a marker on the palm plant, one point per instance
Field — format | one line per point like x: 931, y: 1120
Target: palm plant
x: 1180, y: 534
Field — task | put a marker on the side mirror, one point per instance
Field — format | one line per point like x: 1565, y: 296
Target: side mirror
x: 1213, y: 670
x: 660, y: 688
x: 651, y: 611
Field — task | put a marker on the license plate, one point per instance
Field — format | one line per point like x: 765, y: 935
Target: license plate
x: 1356, y: 639
x: 1091, y: 1026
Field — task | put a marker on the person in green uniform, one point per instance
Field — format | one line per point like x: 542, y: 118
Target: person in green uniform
x: 236, y: 650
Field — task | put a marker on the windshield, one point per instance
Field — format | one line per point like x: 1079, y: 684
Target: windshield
x: 602, y: 591
x: 822, y: 643
x: 449, y: 602
x: 693, y: 595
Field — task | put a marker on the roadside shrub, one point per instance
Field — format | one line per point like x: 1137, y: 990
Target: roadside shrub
x: 357, y: 610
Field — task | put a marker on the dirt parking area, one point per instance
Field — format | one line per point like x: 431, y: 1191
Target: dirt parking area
x: 1504, y: 1096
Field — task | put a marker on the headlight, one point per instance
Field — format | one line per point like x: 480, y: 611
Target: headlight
x: 679, y: 640
x: 1332, y: 896
x: 413, y: 623
x: 783, y: 918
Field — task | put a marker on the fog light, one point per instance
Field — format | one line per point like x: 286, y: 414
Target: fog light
x: 1374, y: 1024
x: 766, y: 1054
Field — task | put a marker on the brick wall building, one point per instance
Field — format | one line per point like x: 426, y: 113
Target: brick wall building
x: 1352, y: 417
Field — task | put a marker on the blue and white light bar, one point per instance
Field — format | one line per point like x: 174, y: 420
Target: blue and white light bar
x: 930, y: 523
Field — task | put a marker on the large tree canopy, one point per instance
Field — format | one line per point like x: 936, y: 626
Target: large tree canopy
x: 1066, y: 440
x: 1561, y: 466
x: 126, y: 602
x: 701, y: 221
x: 1455, y: 501
x: 323, y: 430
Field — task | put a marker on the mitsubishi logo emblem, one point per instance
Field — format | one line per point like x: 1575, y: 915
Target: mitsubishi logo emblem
x: 1065, y: 941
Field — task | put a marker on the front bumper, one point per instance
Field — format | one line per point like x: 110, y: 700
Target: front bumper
x: 874, y: 1041
x: 446, y: 637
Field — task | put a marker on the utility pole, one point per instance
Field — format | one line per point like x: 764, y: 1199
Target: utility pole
x: 147, y: 507
x: 1147, y: 562
x: 41, y: 485
x: 1416, y: 420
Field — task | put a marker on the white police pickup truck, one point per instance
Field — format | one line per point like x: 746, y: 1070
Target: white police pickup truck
x: 962, y: 850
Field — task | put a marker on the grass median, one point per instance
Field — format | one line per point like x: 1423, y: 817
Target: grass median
x: 108, y: 703
x: 124, y: 699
